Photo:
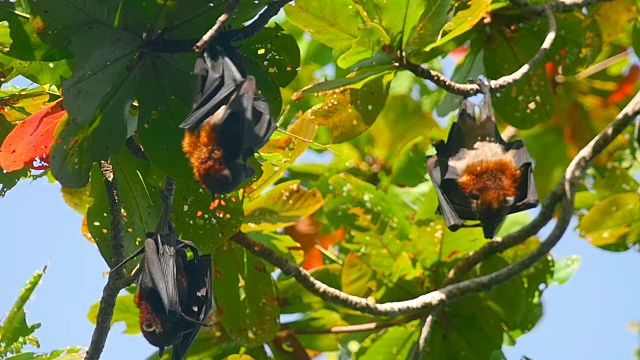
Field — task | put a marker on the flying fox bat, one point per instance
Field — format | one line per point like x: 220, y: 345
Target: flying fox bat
x: 229, y: 123
x: 174, y: 293
x: 479, y: 176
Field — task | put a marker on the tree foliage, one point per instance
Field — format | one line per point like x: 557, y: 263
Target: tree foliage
x: 342, y: 188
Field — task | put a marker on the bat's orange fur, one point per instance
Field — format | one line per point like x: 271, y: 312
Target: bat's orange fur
x: 147, y: 316
x: 203, y: 152
x: 493, y: 181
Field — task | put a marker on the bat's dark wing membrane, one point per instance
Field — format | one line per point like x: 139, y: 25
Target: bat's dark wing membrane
x: 217, y: 79
x: 160, y: 265
x: 446, y: 207
x: 198, y: 302
x: 527, y: 194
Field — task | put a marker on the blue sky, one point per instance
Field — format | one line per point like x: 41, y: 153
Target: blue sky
x: 584, y: 319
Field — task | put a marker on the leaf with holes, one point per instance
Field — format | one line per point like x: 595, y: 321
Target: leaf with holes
x: 28, y: 143
x: 281, y: 206
x: 165, y: 99
x: 349, y: 111
x: 614, y: 223
x: 139, y: 193
x: 245, y: 295
x: 281, y: 152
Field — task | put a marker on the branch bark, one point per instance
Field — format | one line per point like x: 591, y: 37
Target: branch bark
x: 467, y: 90
x: 231, y: 8
x: 116, y: 280
x: 263, y: 19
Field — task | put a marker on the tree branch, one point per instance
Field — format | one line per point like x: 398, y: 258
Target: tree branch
x: 116, y: 280
x: 495, y: 85
x: 231, y: 8
x: 263, y: 19
x: 420, y: 348
x: 358, y: 327
x: 563, y: 192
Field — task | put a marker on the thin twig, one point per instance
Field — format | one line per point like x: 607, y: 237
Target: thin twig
x: 116, y: 280
x: 564, y: 192
x: 231, y: 8
x: 420, y: 348
x: 359, y: 327
x: 263, y: 19
x: 602, y: 65
x: 496, y: 85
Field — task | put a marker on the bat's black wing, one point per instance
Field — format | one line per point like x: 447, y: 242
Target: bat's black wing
x: 217, y: 79
x: 160, y: 267
x: 198, y: 301
x: 527, y: 197
x: 446, y: 207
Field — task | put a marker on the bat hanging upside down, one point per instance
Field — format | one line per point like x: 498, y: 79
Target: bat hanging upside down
x: 479, y: 176
x: 174, y: 293
x: 229, y: 123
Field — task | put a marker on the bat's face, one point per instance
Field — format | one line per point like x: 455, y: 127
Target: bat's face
x: 478, y: 176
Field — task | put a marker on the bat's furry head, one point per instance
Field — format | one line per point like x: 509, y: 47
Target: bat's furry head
x: 491, y: 185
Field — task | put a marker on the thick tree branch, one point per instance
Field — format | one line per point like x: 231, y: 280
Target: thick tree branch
x: 496, y: 85
x: 231, y: 8
x: 563, y: 192
x: 116, y: 280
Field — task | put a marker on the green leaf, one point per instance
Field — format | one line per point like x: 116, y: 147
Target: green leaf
x: 455, y: 335
x: 14, y: 330
x: 410, y: 168
x: 462, y: 22
x: 395, y: 343
x: 334, y: 23
x: 281, y: 152
x: 320, y: 319
x: 139, y: 193
x: 245, y: 296
x: 205, y: 221
x: 165, y: 98
x: 614, y: 223
x: 22, y: 40
x: 358, y: 205
x: 371, y: 39
x: 281, y: 206
x: 125, y: 311
x: 68, y: 353
x: 564, y: 269
x: 97, y: 98
x: 529, y: 101
x: 424, y: 22
x: 470, y: 67
x: 284, y: 245
x: 357, y: 77
x: 348, y: 112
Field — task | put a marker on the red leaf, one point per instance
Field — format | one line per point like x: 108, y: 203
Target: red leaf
x: 625, y: 86
x: 307, y: 232
x: 458, y: 53
x: 31, y: 140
